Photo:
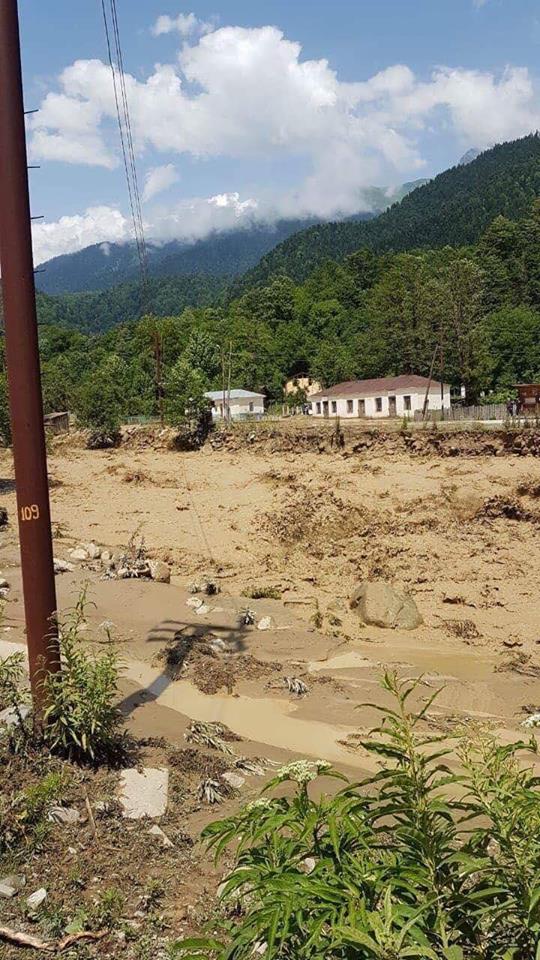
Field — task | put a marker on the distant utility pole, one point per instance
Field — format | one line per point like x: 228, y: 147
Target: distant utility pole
x: 22, y: 357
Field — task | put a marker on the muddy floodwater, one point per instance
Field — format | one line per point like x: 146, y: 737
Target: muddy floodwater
x: 288, y: 533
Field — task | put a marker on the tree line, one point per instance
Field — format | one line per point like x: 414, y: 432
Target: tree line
x: 471, y: 315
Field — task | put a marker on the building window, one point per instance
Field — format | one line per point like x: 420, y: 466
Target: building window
x: 407, y: 403
x: 251, y: 407
x: 378, y: 404
x: 318, y: 408
x: 349, y: 406
x: 334, y: 406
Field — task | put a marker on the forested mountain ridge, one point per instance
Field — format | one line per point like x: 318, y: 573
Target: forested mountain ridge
x: 229, y: 253
x: 104, y: 265
x: 453, y: 208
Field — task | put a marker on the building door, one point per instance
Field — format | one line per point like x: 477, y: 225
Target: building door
x: 392, y: 407
x: 325, y: 408
x: 361, y: 408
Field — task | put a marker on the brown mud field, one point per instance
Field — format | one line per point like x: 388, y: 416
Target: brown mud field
x: 287, y: 520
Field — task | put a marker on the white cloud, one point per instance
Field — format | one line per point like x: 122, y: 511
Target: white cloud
x: 479, y: 3
x: 248, y: 93
x: 72, y: 233
x: 159, y: 179
x: 186, y: 24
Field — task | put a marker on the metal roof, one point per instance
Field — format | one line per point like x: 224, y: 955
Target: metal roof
x: 377, y: 387
x: 233, y: 394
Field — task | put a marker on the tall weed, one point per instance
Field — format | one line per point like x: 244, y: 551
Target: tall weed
x: 422, y: 859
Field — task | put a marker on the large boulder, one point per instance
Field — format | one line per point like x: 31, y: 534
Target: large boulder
x: 381, y: 605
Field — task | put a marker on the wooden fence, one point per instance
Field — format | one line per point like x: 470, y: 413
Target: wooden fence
x: 483, y: 411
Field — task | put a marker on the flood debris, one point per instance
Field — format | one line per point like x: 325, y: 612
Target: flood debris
x: 214, y: 735
x: 296, y: 686
x: 247, y: 617
x: 212, y: 791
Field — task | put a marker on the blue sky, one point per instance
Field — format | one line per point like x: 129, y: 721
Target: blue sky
x: 264, y: 109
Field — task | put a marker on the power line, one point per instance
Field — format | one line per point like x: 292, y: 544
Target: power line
x: 126, y: 137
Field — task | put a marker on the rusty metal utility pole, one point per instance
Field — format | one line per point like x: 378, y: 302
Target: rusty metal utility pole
x: 22, y: 355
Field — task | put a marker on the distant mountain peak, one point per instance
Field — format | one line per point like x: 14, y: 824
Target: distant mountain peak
x: 468, y: 157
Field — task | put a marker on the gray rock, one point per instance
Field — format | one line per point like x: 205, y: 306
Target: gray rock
x: 144, y: 793
x: 156, y: 831
x: 106, y: 556
x: 159, y: 571
x: 93, y: 551
x: 79, y: 554
x: 9, y: 716
x: 202, y: 610
x: 4, y: 584
x: 265, y: 623
x: 381, y: 605
x: 63, y: 815
x: 233, y: 779
x: 9, y: 886
x: 62, y: 566
x: 36, y: 899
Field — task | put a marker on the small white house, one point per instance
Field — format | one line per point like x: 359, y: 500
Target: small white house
x: 384, y: 397
x: 236, y: 404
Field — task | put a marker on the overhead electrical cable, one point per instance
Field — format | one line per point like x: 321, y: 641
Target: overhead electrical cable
x: 126, y: 136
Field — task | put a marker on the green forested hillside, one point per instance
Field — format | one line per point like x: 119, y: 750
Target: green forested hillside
x: 454, y: 208
x: 475, y: 310
x: 96, y: 311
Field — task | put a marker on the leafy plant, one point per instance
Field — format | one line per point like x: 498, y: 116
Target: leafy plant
x: 82, y: 721
x: 418, y: 860
x: 13, y: 697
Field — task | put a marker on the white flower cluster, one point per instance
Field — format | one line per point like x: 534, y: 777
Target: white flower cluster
x: 532, y: 721
x: 262, y: 803
x: 303, y: 771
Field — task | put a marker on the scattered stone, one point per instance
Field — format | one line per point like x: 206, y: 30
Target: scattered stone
x: 233, y: 779
x: 143, y: 793
x: 93, y: 551
x: 9, y: 886
x: 62, y: 566
x: 35, y: 900
x: 380, y: 604
x: 65, y: 815
x: 194, y: 602
x: 308, y: 865
x: 202, y: 610
x: 4, y: 584
x: 265, y: 623
x: 3, y: 517
x: 4, y: 593
x: 78, y: 554
x: 156, y: 831
x: 10, y: 716
x: 159, y: 571
x: 106, y: 556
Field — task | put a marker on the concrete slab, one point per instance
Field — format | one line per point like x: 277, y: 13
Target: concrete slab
x: 143, y: 793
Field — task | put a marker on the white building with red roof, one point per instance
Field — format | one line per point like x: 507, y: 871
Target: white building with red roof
x: 383, y: 397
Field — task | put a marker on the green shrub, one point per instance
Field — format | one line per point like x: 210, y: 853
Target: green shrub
x: 82, y: 721
x: 418, y: 860
x: 263, y: 593
x: 23, y: 817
